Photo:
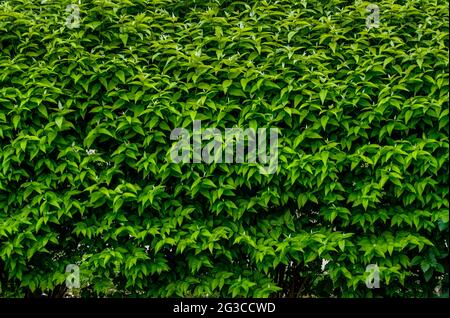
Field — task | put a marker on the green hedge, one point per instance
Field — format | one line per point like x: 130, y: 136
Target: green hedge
x: 85, y: 118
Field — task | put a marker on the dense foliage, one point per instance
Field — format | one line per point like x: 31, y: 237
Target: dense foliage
x: 86, y: 113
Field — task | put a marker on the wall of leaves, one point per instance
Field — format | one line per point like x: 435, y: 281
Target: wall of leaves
x: 85, y: 176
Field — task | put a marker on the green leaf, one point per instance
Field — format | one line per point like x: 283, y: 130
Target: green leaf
x: 59, y: 121
x: 16, y: 120
x: 323, y: 94
x: 121, y: 76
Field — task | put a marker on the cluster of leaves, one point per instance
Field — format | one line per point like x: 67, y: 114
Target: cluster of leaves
x: 85, y: 176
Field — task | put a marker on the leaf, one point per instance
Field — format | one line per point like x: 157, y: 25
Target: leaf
x: 121, y: 76
x: 408, y: 115
x: 333, y: 45
x: 290, y: 35
x: 43, y: 110
x: 59, y: 121
x: 226, y: 84
x: 16, y: 120
x: 208, y: 183
x: 323, y: 94
x: 324, y: 121
x: 124, y: 38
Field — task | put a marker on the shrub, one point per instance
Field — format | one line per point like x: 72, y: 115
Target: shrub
x: 86, y: 111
